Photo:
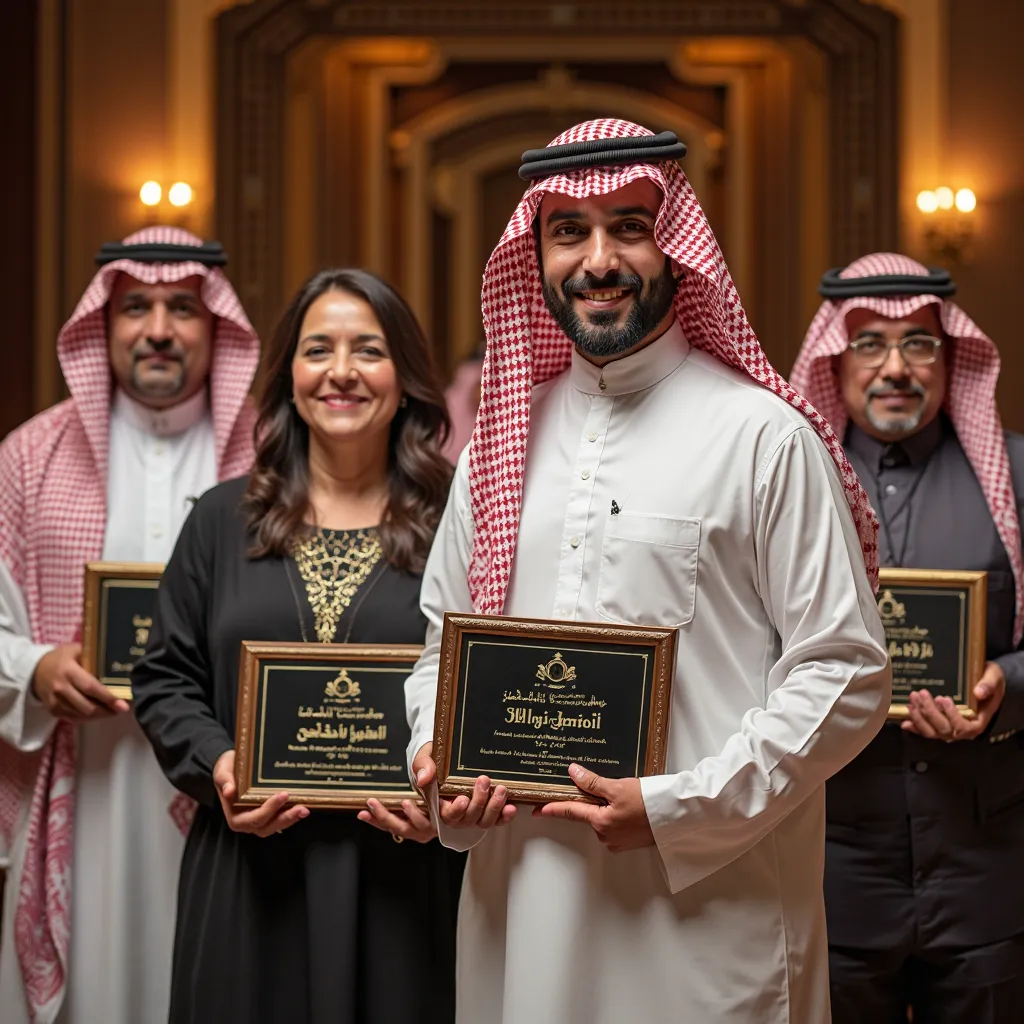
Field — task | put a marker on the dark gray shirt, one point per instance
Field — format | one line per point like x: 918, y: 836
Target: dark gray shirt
x: 932, y: 514
x: 924, y: 837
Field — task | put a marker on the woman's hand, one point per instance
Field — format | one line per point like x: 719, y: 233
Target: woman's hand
x: 271, y: 817
x: 409, y: 823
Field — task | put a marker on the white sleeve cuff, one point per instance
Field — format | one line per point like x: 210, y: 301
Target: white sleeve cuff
x: 25, y: 722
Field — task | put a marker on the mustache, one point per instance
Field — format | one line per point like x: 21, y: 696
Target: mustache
x: 613, y: 279
x: 147, y: 349
x: 881, y: 390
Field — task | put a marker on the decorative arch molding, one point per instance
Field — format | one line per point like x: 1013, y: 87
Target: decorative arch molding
x: 255, y: 41
x: 411, y: 143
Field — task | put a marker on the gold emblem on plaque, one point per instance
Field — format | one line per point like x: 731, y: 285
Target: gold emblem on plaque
x: 890, y: 609
x: 556, y: 672
x: 343, y: 687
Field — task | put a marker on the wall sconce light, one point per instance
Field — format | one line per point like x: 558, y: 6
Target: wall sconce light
x: 150, y: 193
x: 179, y: 194
x: 948, y: 224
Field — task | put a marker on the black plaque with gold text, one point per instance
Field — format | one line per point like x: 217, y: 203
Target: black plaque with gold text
x: 934, y: 622
x: 120, y: 598
x: 519, y: 700
x: 324, y: 722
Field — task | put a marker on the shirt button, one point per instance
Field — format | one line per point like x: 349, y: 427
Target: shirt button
x: 591, y: 436
x: 574, y: 541
x: 890, y: 488
x: 157, y: 531
x: 158, y: 450
x: 585, y: 474
x: 920, y: 767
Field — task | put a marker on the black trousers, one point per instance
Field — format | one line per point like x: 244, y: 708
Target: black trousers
x: 977, y: 985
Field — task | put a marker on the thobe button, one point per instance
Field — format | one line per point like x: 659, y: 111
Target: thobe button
x: 157, y: 531
x: 890, y: 488
x: 591, y: 436
x: 585, y: 474
x: 574, y: 541
x: 921, y: 767
x: 158, y: 450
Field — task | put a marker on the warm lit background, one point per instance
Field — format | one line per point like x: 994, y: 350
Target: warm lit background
x: 319, y: 132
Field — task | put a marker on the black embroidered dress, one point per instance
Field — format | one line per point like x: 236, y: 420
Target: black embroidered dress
x: 330, y: 921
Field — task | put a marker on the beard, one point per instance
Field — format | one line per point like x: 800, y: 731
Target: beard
x: 165, y: 382
x: 899, y: 426
x: 599, y: 335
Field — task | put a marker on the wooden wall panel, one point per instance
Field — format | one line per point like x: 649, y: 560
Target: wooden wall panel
x: 17, y: 205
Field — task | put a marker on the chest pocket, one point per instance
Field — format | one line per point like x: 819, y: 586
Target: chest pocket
x: 648, y: 574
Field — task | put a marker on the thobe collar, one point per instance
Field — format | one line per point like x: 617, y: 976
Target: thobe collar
x: 635, y: 372
x: 161, y: 422
x: 918, y: 447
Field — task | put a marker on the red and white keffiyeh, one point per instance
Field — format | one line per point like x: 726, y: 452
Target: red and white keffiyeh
x: 970, y: 394
x: 52, y: 521
x: 526, y: 347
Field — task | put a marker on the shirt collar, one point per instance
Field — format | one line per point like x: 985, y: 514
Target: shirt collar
x: 160, y: 422
x: 918, y: 447
x: 635, y: 372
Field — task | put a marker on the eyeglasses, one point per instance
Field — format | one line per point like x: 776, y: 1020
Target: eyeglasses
x: 917, y: 350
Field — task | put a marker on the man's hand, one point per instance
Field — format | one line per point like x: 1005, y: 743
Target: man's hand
x: 484, y: 810
x: 66, y: 690
x: 936, y: 718
x: 620, y: 823
x: 270, y: 817
x: 408, y: 823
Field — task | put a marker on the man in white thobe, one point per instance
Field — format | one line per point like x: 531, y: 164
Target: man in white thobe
x: 658, y: 472
x: 109, y: 475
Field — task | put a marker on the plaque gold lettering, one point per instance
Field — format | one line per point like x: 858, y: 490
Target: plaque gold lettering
x: 934, y: 622
x: 324, y: 721
x: 120, y: 598
x: 519, y: 700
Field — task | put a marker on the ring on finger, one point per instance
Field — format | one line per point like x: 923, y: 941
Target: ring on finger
x: 397, y: 839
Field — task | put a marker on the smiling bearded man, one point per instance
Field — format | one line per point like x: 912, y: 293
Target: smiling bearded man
x: 922, y: 870
x: 158, y: 357
x: 637, y: 460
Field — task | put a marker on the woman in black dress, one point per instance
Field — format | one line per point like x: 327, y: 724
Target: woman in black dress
x: 283, y: 915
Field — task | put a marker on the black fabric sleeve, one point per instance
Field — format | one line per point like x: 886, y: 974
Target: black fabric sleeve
x: 1010, y: 715
x: 172, y: 685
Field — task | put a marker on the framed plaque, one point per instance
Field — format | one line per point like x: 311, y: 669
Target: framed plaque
x: 519, y: 700
x: 934, y: 624
x: 326, y: 722
x: 120, y: 598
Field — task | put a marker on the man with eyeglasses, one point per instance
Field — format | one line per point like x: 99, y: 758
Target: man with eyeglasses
x: 925, y: 829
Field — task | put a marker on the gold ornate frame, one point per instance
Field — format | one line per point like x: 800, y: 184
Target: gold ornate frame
x: 247, y: 732
x: 975, y: 584
x: 660, y: 641
x: 138, y: 574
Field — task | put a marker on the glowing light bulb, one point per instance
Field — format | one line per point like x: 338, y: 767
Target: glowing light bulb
x: 180, y: 194
x: 150, y: 193
x: 966, y: 200
x: 944, y: 197
x: 927, y: 202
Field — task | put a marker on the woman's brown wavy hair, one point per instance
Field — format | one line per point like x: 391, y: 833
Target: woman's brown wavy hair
x: 276, y: 501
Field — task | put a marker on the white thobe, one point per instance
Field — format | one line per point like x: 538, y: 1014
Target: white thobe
x: 729, y: 524
x: 127, y: 849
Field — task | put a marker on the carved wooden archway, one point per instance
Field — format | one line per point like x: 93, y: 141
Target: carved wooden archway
x: 856, y: 43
